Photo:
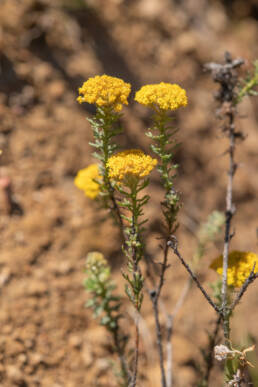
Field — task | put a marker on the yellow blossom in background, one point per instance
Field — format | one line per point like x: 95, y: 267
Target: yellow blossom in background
x: 98, y: 266
x: 104, y: 90
x: 84, y: 180
x: 95, y: 259
x: 240, y: 264
x: 166, y: 96
x: 130, y: 163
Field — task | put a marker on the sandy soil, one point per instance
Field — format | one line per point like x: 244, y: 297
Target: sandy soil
x: 47, y: 49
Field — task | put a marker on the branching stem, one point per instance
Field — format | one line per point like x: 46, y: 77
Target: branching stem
x: 163, y: 138
x: 173, y: 246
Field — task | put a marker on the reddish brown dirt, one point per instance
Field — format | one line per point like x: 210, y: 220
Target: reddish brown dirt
x: 47, y: 49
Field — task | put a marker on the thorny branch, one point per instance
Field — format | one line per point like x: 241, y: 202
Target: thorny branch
x: 170, y: 317
x: 225, y: 75
x: 229, y: 214
x: 173, y: 245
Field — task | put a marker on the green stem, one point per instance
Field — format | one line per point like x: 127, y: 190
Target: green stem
x: 136, y: 354
x: 136, y: 272
x: 135, y: 237
x: 106, y: 136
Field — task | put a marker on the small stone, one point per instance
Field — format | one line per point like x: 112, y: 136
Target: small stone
x: 36, y: 288
x: 5, y: 276
x: 64, y: 268
x: 102, y: 366
x: 29, y: 343
x: 13, y: 348
x: 87, y: 356
x: 75, y: 341
x: 14, y: 374
x: 22, y: 358
x: 36, y: 359
x: 7, y: 329
x: 56, y: 89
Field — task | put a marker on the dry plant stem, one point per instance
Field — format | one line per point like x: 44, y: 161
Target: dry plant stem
x: 159, y: 338
x: 225, y: 75
x: 169, y: 327
x: 155, y: 303
x: 154, y: 296
x: 173, y: 246
x: 182, y: 297
x: 229, y: 214
x: 136, y: 353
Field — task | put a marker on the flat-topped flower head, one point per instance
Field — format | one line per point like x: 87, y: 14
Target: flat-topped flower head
x: 165, y: 96
x: 130, y: 163
x: 97, y: 267
x: 95, y: 259
x: 240, y: 264
x: 105, y: 91
x: 85, y: 180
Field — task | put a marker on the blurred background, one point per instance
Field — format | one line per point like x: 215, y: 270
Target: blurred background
x: 48, y: 48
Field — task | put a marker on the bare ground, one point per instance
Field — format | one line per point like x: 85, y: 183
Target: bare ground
x: 47, y: 49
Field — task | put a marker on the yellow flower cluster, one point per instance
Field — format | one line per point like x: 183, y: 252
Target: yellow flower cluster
x: 105, y: 91
x: 166, y: 96
x: 84, y: 180
x: 240, y: 264
x: 130, y: 163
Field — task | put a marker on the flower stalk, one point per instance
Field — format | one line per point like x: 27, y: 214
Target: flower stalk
x: 170, y: 207
x: 163, y: 98
x: 117, y: 182
x: 129, y: 169
x: 109, y: 94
